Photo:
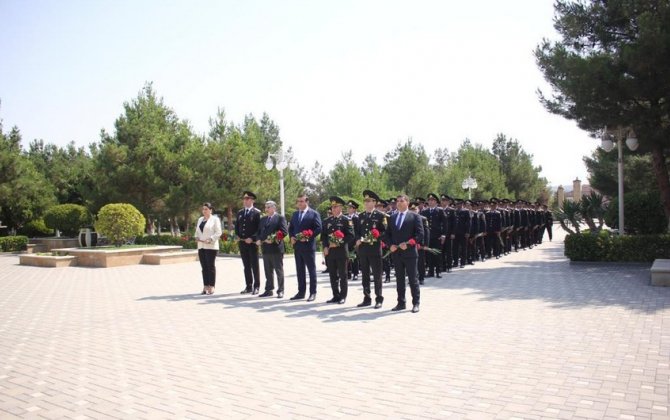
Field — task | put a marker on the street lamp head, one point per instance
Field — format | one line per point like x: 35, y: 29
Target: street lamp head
x: 631, y: 141
x: 282, y: 164
x: 473, y: 183
x: 269, y: 164
x: 607, y: 144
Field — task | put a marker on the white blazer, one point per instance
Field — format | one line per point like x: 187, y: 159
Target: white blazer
x: 212, y: 230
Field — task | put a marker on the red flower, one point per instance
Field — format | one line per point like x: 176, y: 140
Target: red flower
x: 383, y: 244
x: 224, y: 236
x: 280, y: 235
x: 411, y: 242
x: 375, y: 233
x: 338, y: 234
x: 307, y: 233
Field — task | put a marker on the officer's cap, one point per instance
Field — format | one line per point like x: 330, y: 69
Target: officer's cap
x: 370, y: 195
x: 248, y: 194
x: 433, y: 196
x: 352, y: 203
x: 336, y: 201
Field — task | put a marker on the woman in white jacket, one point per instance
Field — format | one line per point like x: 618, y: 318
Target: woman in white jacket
x: 207, y: 234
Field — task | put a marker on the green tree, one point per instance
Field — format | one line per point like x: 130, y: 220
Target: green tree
x: 481, y: 164
x: 522, y: 179
x: 24, y: 192
x: 407, y: 169
x: 374, y: 178
x: 346, y: 178
x: 610, y: 68
x: 603, y: 176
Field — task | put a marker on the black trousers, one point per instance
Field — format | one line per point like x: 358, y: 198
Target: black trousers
x: 273, y: 263
x: 549, y: 232
x: 461, y: 249
x: 406, y: 266
x: 207, y: 259
x: 447, y: 254
x: 337, y: 270
x: 249, y: 254
x: 421, y: 265
x: 305, y: 264
x: 433, y: 261
x: 372, y: 264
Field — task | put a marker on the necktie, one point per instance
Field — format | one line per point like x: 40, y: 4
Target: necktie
x: 246, y: 212
x: 399, y: 221
x: 301, y: 214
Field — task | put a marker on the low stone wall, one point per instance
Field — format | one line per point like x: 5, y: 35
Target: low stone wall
x: 47, y: 260
x: 49, y: 244
x: 111, y: 257
x: 161, y: 258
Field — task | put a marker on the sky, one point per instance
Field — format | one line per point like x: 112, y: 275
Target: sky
x: 335, y: 76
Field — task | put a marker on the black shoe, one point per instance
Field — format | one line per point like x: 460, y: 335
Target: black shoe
x: 311, y: 297
x: 415, y: 308
x: 255, y: 291
x: 366, y: 302
x: 399, y: 307
x: 355, y: 277
x: 280, y: 295
x: 430, y: 275
x: 378, y: 305
x: 461, y: 266
x: 341, y: 301
x: 333, y: 300
x: 298, y: 297
x: 324, y: 271
x: 438, y: 276
x: 387, y: 281
x: 421, y: 282
x: 204, y: 292
x: 267, y: 293
x: 245, y: 291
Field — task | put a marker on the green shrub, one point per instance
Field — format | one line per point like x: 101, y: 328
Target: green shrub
x: 67, y: 218
x: 36, y: 229
x: 615, y: 248
x: 643, y: 214
x: 120, y: 222
x: 13, y: 243
x: 184, y: 241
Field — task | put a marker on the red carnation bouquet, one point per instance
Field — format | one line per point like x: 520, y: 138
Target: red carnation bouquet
x: 371, y: 237
x: 336, y: 238
x: 411, y: 242
x: 305, y: 235
x: 275, y: 238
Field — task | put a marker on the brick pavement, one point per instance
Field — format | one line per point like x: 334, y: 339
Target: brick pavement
x: 528, y: 336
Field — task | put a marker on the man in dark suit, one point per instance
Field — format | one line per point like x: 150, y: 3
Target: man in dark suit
x: 405, y: 230
x: 304, y: 247
x: 246, y: 229
x: 337, y: 238
x: 271, y: 233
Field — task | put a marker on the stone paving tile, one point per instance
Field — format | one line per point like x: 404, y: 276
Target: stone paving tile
x: 527, y: 336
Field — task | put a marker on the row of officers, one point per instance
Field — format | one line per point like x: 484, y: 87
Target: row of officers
x: 414, y: 238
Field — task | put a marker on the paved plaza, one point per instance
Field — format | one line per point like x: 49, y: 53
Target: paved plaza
x: 527, y: 336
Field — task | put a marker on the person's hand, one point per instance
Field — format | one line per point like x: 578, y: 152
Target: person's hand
x: 453, y: 236
x: 442, y: 239
x: 403, y: 246
x: 258, y: 242
x: 248, y: 240
x: 332, y: 245
x: 394, y: 248
x: 293, y: 241
x: 358, y: 243
x: 325, y: 252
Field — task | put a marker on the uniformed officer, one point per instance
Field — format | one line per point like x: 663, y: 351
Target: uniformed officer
x: 421, y: 262
x: 386, y: 262
x: 337, y: 237
x: 369, y: 247
x: 353, y: 265
x: 493, y: 229
x: 462, y: 233
x: 447, y: 247
x: 437, y: 221
x: 246, y: 229
x: 548, y: 221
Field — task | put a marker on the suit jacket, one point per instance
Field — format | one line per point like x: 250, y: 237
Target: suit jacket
x: 310, y: 220
x: 211, y: 230
x: 247, y: 226
x: 411, y: 228
x: 268, y: 226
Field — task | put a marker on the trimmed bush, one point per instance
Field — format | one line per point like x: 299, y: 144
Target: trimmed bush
x: 120, y: 222
x: 614, y: 248
x: 13, y: 243
x: 185, y: 241
x: 36, y: 229
x: 643, y: 214
x: 67, y: 218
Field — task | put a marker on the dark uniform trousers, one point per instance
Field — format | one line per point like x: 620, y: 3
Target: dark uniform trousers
x: 371, y: 264
x: 249, y: 254
x: 421, y: 265
x: 406, y: 266
x: 461, y: 249
x: 337, y: 270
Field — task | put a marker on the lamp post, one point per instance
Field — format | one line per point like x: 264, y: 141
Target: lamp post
x: 469, y: 184
x: 278, y: 160
x: 608, y: 137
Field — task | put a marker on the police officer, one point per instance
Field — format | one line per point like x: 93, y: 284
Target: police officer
x: 450, y: 221
x: 337, y: 237
x: 372, y: 222
x: 493, y: 229
x: 246, y: 229
x: 437, y: 221
x: 462, y: 233
x: 421, y: 262
x: 353, y: 265
x: 386, y: 262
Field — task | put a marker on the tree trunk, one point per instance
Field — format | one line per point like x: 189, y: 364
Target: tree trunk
x: 150, y: 226
x: 662, y: 178
x: 230, y: 219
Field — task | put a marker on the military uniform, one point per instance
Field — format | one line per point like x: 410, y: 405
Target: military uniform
x: 338, y: 254
x: 437, y: 221
x: 462, y: 234
x: 353, y: 267
x: 246, y: 227
x: 370, y: 250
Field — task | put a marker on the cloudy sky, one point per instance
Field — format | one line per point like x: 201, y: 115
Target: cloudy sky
x: 334, y: 75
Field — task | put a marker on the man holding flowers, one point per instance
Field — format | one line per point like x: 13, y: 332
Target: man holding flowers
x: 271, y: 233
x: 404, y: 232
x: 370, y: 228
x: 305, y: 226
x: 337, y: 237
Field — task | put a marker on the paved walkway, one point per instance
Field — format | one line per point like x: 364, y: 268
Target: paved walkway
x: 528, y: 336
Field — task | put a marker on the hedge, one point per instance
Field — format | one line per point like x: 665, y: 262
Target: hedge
x: 68, y: 218
x: 644, y: 214
x: 36, y: 229
x: 614, y: 248
x: 13, y: 243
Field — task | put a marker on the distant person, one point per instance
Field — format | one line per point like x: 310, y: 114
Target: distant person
x: 207, y: 234
x: 305, y: 226
x: 271, y: 233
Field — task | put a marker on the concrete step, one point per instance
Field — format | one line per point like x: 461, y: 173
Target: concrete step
x: 160, y: 258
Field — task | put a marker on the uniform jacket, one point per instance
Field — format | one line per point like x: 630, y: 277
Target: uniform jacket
x: 247, y: 226
x: 366, y: 222
x: 344, y: 225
